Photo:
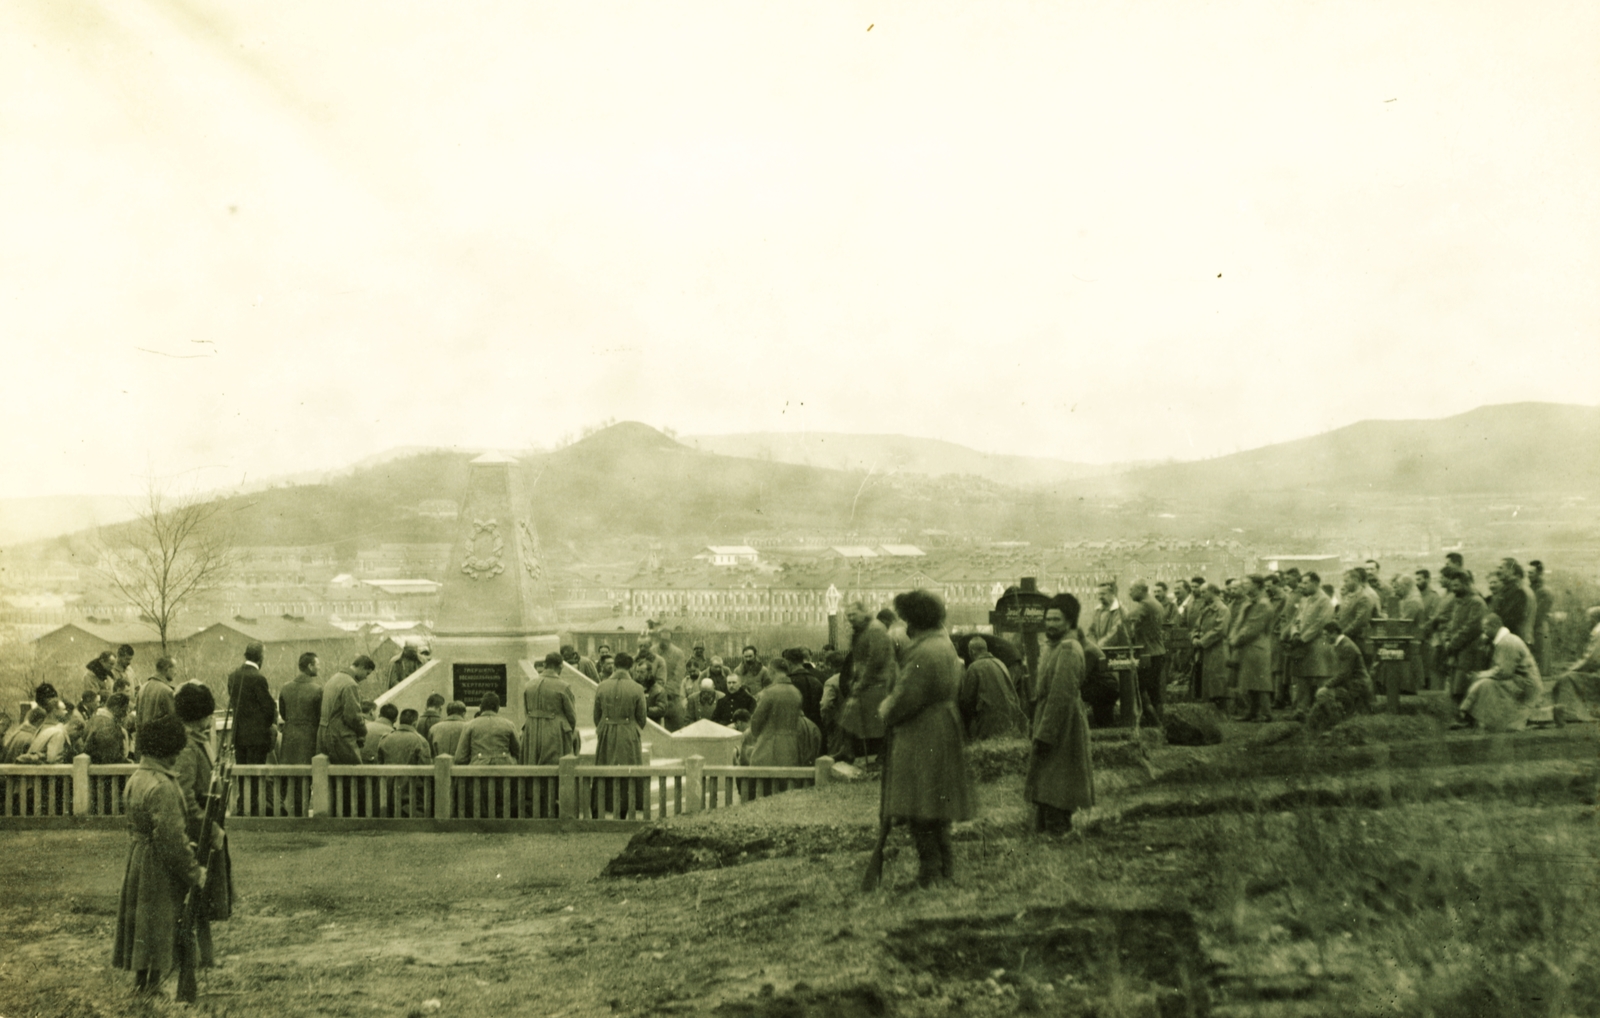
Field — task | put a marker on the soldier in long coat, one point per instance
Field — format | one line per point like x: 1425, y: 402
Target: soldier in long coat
x: 196, y: 709
x: 300, y: 702
x: 1210, y: 640
x: 1356, y: 611
x: 1249, y: 635
x: 1308, y: 634
x: 341, y: 725
x: 550, y: 732
x: 872, y: 664
x: 774, y: 733
x: 1061, y: 771
x: 161, y: 865
x: 988, y: 701
x: 928, y: 783
x: 619, y: 716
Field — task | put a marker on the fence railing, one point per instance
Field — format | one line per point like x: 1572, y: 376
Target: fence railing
x: 442, y: 791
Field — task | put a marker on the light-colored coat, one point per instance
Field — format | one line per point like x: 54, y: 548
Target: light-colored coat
x: 552, y: 725
x: 1211, y: 632
x: 872, y: 670
x: 1315, y: 612
x: 927, y: 771
x: 488, y: 739
x: 1250, y: 636
x: 1061, y: 770
x: 774, y: 732
x: 619, y: 714
x: 341, y: 726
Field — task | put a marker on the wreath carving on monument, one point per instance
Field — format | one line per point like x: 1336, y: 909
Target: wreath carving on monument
x: 482, y: 559
x: 530, y: 549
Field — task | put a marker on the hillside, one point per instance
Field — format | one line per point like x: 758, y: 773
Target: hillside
x: 32, y: 519
x: 901, y: 454
x: 1533, y: 448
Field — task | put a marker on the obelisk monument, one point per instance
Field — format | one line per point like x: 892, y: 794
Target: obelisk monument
x: 496, y: 607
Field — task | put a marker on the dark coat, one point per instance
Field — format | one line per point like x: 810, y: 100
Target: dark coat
x: 988, y: 702
x: 1463, y: 635
x: 161, y: 868
x: 873, y: 667
x: 619, y: 714
x: 1350, y: 672
x: 446, y: 734
x: 810, y: 688
x: 254, y: 713
x: 775, y: 725
x: 193, y: 771
x: 1061, y: 771
x: 1315, y: 612
x: 927, y: 770
x: 551, y: 729
x: 300, y: 700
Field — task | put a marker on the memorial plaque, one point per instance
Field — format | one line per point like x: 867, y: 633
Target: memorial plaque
x: 469, y: 681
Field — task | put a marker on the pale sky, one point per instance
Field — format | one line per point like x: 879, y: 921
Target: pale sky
x: 262, y: 236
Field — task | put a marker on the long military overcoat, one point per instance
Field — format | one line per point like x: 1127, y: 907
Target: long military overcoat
x: 549, y: 733
x: 775, y: 725
x: 927, y: 773
x: 872, y: 663
x: 989, y: 703
x: 300, y: 701
x: 341, y: 724
x: 1249, y: 634
x: 619, y: 714
x: 1211, y: 630
x: 160, y: 870
x: 1060, y: 772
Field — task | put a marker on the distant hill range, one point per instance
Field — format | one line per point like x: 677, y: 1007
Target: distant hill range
x: 1542, y: 448
x: 630, y: 481
x: 833, y: 450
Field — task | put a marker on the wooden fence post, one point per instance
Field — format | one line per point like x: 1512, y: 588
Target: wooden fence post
x: 443, y: 786
x: 321, y: 794
x: 694, y: 784
x: 81, y: 788
x: 568, y: 790
x: 824, y: 770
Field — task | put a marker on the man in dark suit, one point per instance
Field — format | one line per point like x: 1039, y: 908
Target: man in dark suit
x: 255, y: 716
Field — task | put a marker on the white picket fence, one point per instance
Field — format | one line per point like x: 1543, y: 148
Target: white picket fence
x: 440, y: 792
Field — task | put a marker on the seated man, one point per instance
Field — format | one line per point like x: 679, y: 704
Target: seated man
x: 1566, y: 693
x: 1503, y: 696
x: 1348, y: 691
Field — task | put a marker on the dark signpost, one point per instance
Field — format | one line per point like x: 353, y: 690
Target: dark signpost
x: 1393, y: 640
x: 1021, y: 610
x: 469, y: 681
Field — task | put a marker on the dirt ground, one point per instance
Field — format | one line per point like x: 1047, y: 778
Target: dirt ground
x: 1447, y: 894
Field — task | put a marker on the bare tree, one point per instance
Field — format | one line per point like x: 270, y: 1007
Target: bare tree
x: 175, y: 549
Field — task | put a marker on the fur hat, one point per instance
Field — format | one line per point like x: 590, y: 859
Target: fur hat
x: 162, y: 736
x: 194, y: 702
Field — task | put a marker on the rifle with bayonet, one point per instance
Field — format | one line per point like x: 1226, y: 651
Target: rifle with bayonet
x: 218, y: 794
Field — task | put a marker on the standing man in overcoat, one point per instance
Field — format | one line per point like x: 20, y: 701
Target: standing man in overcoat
x: 1060, y: 772
x: 300, y: 700
x: 551, y: 729
x: 1210, y: 641
x: 872, y: 666
x: 619, y: 717
x: 1250, y: 637
x: 255, y: 716
x: 342, y: 726
x: 928, y: 784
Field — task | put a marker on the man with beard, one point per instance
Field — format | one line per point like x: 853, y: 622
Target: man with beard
x: 872, y: 661
x: 1464, y: 632
x: 1060, y: 773
x: 749, y: 668
x: 738, y: 698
